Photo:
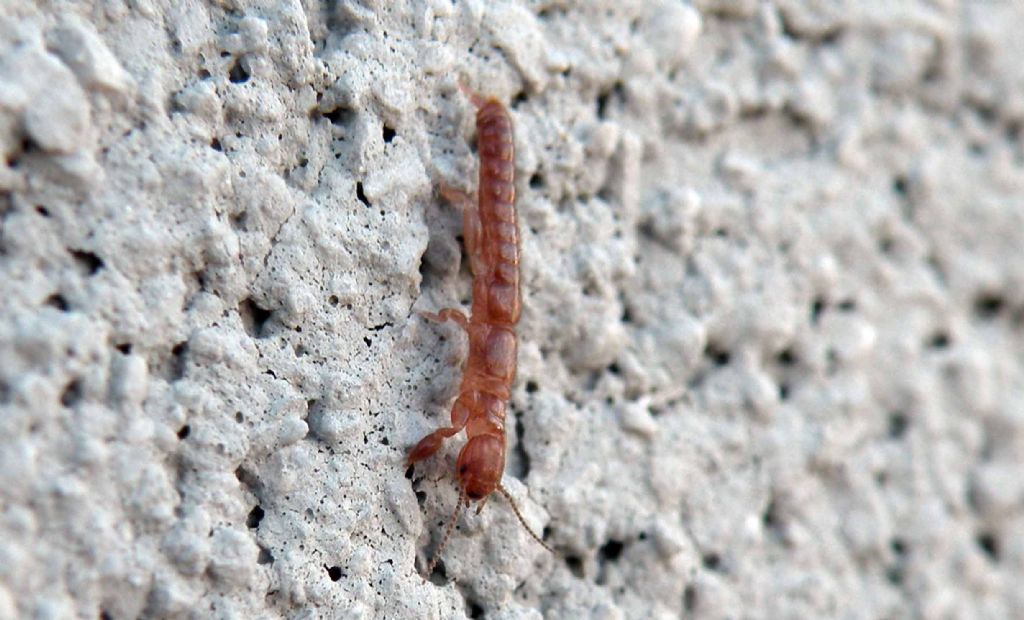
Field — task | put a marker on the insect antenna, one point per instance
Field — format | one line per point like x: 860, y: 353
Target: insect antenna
x: 519, y: 515
x: 447, y: 534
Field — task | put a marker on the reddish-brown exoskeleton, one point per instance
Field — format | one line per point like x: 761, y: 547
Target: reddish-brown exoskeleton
x: 491, y: 236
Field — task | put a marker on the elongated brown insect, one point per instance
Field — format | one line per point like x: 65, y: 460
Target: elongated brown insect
x: 491, y: 235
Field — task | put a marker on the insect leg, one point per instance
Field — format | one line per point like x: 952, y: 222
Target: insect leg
x: 470, y: 224
x: 448, y: 314
x: 475, y: 98
x: 432, y: 442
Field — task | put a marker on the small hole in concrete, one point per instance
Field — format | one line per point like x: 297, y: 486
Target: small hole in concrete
x: 894, y: 575
x: 989, y: 544
x: 939, y: 340
x: 899, y: 185
x: 817, y: 308
x: 898, y: 423
x: 575, y: 565
x: 988, y: 306
x: 339, y: 116
x: 439, y: 576
x: 718, y: 356
x: 604, y: 97
x: 72, y: 394
x: 179, y: 360
x: 254, y: 318
x: 898, y: 546
x: 334, y: 573
x: 57, y: 301
x: 254, y: 518
x: 360, y: 195
x: 611, y: 551
x: 265, y: 556
x: 88, y: 263
x: 237, y: 74
x: 712, y: 561
x: 690, y: 597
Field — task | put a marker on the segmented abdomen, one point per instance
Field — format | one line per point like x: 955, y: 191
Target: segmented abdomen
x: 500, y: 285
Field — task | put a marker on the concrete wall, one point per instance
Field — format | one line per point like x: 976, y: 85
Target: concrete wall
x: 772, y: 348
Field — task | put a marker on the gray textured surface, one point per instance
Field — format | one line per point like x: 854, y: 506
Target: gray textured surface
x: 772, y: 360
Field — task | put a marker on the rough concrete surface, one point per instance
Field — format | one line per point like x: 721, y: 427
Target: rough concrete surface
x: 772, y: 349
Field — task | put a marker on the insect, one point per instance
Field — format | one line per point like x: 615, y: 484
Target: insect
x: 491, y: 236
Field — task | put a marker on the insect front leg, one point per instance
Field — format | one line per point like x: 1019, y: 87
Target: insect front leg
x: 474, y: 97
x: 433, y: 442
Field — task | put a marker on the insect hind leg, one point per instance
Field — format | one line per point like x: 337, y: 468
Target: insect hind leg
x: 456, y: 196
x: 448, y: 314
x: 471, y: 227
